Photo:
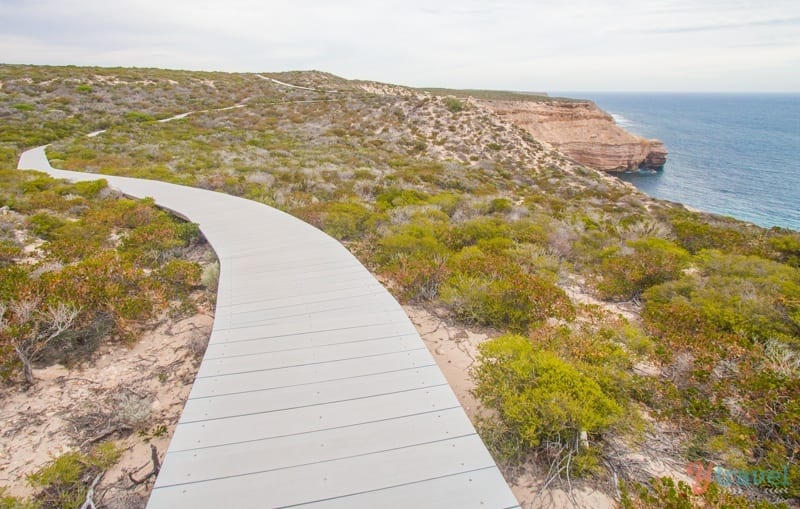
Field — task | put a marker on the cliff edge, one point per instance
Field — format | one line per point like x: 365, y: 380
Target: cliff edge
x: 582, y: 131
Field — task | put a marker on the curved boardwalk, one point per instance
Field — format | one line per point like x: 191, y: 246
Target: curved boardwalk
x: 315, y: 390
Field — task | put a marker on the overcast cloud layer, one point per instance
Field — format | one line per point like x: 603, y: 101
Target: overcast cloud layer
x: 646, y: 45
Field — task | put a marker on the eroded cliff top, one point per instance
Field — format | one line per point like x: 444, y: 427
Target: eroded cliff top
x: 584, y: 132
x: 576, y: 127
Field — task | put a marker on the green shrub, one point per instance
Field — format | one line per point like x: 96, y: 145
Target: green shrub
x: 64, y: 482
x: 537, y: 395
x: 511, y: 302
x: 489, y: 289
x: 696, y: 234
x: 453, y: 105
x: 152, y: 243
x: 14, y: 283
x: 8, y: 252
x: 479, y: 228
x: 393, y: 198
x: 90, y: 188
x: 414, y: 258
x: 138, y: 116
x: 75, y: 240
x: 44, y: 224
x: 9, y: 502
x: 665, y: 493
x: 210, y: 277
x: 733, y: 298
x: 346, y: 221
x: 446, y: 202
x: 650, y: 261
x: 180, y: 274
x: 500, y: 206
x: 788, y: 248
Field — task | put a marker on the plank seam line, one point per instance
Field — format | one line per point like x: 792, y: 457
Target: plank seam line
x: 317, y: 268
x: 311, y: 463
x: 329, y: 380
x: 304, y: 333
x: 298, y: 407
x: 267, y: 321
x: 372, y: 293
x: 436, y: 478
x: 375, y: 284
x: 342, y: 270
x: 332, y: 428
x: 411, y: 335
x: 272, y: 248
x: 251, y: 325
x: 311, y: 363
x: 273, y: 267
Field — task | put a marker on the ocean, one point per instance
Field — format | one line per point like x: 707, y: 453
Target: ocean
x: 731, y: 154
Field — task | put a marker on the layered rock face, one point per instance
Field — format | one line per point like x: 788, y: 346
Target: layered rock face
x: 583, y: 132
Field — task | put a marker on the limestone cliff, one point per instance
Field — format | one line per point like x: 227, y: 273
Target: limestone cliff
x: 583, y: 132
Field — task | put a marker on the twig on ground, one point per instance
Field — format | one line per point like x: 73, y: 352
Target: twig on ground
x: 104, y: 434
x: 89, y: 503
x: 153, y: 472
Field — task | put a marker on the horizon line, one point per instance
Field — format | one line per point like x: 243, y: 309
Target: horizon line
x: 554, y: 93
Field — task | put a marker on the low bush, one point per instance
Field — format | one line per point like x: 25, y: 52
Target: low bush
x: 44, y: 225
x: 453, y: 105
x: 479, y: 228
x: 538, y: 396
x: 395, y: 197
x: 182, y: 275
x: 732, y: 299
x: 10, y: 502
x: 347, y: 220
x: 665, y: 493
x: 113, y: 257
x: 63, y: 483
x: 489, y: 289
x: 625, y: 273
x: 414, y: 258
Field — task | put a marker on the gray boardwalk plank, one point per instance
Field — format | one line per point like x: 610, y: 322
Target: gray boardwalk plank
x: 315, y: 389
x: 469, y: 490
x: 308, y: 374
x: 334, y: 478
x: 306, y: 419
x: 306, y: 448
x: 342, y: 389
x: 266, y: 343
x: 305, y: 356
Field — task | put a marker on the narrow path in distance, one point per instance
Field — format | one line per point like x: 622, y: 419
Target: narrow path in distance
x: 315, y: 390
x: 289, y: 85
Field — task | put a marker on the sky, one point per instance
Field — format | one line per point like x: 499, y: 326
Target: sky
x: 539, y: 45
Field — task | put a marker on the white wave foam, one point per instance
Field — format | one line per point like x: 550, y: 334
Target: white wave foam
x: 620, y: 120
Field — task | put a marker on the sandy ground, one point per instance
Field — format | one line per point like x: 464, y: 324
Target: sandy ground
x: 132, y: 395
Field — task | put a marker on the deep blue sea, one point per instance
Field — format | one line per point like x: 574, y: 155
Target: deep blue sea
x: 731, y: 154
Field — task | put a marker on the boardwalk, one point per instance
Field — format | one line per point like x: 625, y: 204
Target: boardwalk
x: 315, y: 390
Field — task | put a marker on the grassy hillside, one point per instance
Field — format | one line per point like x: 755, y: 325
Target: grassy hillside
x: 458, y: 209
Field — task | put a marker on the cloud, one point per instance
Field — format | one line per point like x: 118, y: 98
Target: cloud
x: 729, y: 26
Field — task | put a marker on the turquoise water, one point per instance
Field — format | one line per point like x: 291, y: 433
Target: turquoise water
x: 736, y: 155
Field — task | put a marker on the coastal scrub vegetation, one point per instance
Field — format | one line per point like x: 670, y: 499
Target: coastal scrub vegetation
x: 81, y: 263
x: 615, y: 316
x: 82, y: 266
